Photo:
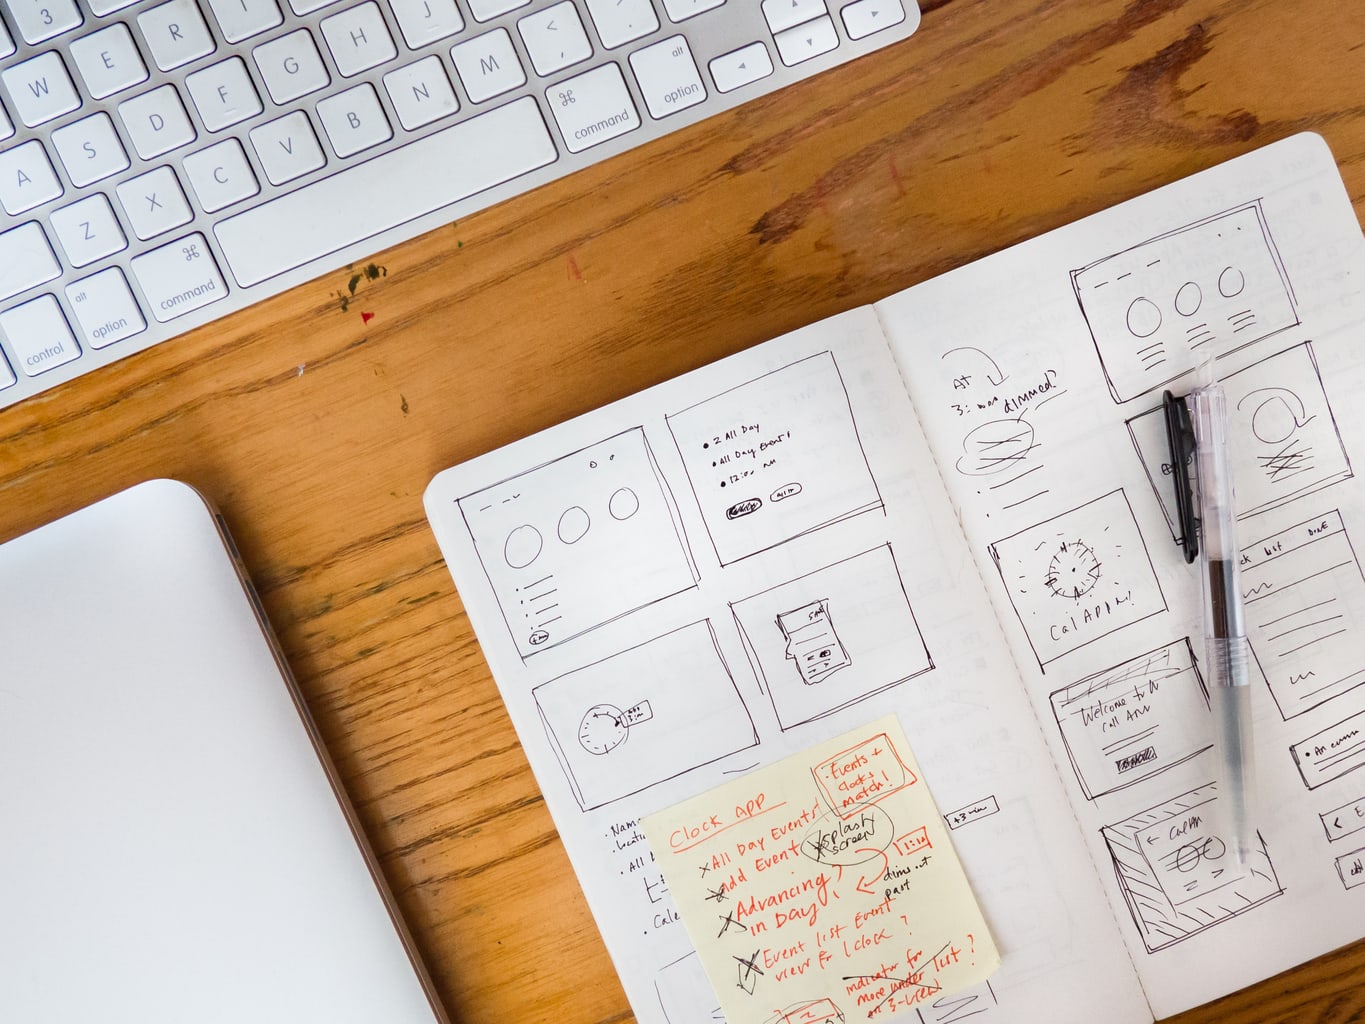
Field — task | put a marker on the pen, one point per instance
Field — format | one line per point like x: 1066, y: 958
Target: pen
x: 1225, y: 641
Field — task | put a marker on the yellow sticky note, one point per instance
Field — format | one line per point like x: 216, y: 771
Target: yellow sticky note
x: 824, y: 887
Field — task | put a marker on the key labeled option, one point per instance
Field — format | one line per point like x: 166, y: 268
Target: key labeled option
x: 668, y: 77
x: 592, y: 107
x: 105, y: 309
x: 179, y: 277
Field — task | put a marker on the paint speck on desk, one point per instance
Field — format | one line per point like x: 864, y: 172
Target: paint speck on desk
x: 301, y: 366
x: 574, y: 273
x: 366, y: 317
x: 369, y: 272
x: 404, y: 406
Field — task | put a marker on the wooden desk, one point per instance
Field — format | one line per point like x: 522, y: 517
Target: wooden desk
x: 316, y: 431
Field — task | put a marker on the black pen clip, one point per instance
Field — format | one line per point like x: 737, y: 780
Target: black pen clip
x: 1180, y: 434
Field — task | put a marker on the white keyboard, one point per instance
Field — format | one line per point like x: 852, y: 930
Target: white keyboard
x: 163, y: 164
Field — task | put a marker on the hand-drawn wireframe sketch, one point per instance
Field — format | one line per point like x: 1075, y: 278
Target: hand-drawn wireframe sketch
x: 1285, y: 441
x: 812, y: 642
x: 1332, y: 752
x: 775, y: 458
x: 1134, y: 720
x: 1304, y: 591
x: 1345, y: 820
x: 684, y: 712
x: 960, y: 1006
x: 1351, y: 868
x: 548, y: 537
x: 1209, y: 288
x: 1000, y: 445
x: 878, y: 643
x: 1175, y: 871
x: 1078, y: 576
x: 685, y: 992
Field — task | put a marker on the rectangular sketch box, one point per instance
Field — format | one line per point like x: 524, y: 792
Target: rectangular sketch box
x: 682, y: 988
x: 1134, y: 720
x: 1351, y: 868
x: 647, y: 714
x: 1156, y: 310
x: 1284, y: 438
x: 1078, y: 576
x: 775, y: 458
x: 972, y: 812
x: 1332, y: 752
x: 1305, y: 593
x: 549, y: 537
x: 1178, y: 875
x: 1344, y: 820
x: 833, y: 637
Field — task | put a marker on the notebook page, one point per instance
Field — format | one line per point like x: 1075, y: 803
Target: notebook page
x: 1042, y: 402
x: 732, y: 567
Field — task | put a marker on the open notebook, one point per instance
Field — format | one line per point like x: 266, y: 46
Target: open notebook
x: 963, y: 491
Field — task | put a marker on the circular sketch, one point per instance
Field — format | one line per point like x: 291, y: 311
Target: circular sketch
x: 603, y: 728
x: 1231, y: 282
x: 1274, y: 420
x: 1143, y: 317
x: 1188, y: 299
x: 522, y: 546
x: 1073, y: 571
x: 624, y: 504
x: 573, y: 524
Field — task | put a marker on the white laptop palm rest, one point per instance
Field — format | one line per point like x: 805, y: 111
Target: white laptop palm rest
x: 172, y: 845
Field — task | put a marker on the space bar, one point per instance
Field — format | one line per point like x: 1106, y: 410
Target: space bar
x: 388, y: 190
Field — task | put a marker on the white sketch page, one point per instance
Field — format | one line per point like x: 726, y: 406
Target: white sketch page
x: 733, y: 566
x: 1038, y: 374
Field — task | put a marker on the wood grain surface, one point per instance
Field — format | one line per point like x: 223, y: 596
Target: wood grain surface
x: 316, y: 430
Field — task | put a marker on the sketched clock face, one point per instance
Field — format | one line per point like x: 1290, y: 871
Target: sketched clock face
x: 603, y: 728
x: 1073, y: 571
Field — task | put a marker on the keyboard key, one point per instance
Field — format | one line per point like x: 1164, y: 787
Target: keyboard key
x: 88, y: 230
x: 7, y: 378
x: 6, y: 128
x: 868, y: 16
x: 90, y: 149
x: 554, y: 38
x: 592, y: 107
x: 620, y: 21
x: 488, y: 65
x: 179, y: 277
x: 668, y: 77
x: 157, y: 122
x: 287, y: 148
x: 242, y: 19
x: 45, y: 20
x: 681, y: 10
x: 302, y: 7
x: 806, y: 41
x: 108, y: 61
x: 353, y: 120
x: 421, y: 93
x: 487, y: 10
x: 291, y: 66
x: 26, y: 259
x: 103, y: 7
x: 223, y: 94
x: 39, y: 335
x: 105, y: 309
x: 783, y: 14
x: 154, y: 203
x: 26, y: 178
x: 6, y: 43
x: 426, y: 21
x: 358, y: 39
x: 41, y: 89
x: 220, y: 175
x: 176, y: 33
x: 399, y: 186
x: 740, y: 67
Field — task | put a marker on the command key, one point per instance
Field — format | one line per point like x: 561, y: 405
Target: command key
x: 179, y: 277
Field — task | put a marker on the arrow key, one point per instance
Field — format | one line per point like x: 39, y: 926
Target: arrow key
x: 806, y: 41
x: 740, y: 67
x: 867, y: 16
